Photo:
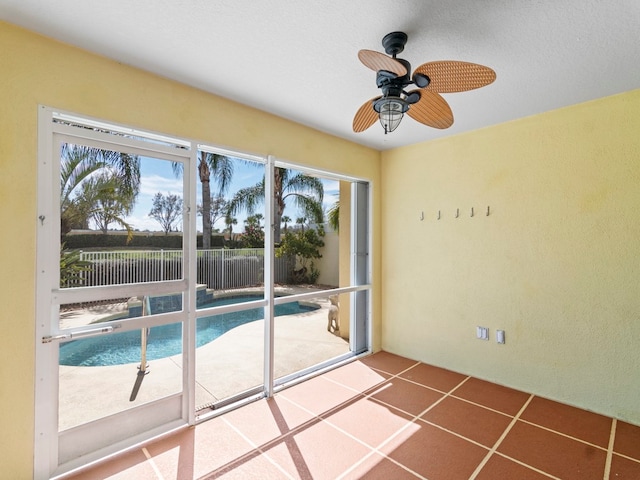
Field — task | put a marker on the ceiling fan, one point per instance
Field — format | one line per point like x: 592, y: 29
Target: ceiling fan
x: 424, y: 104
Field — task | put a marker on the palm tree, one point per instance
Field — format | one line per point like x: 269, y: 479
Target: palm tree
x: 301, y: 221
x: 254, y: 219
x: 305, y: 191
x: 221, y: 167
x: 78, y: 164
x: 230, y: 222
x: 286, y: 220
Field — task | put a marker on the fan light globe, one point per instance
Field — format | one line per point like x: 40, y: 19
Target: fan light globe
x: 390, y: 112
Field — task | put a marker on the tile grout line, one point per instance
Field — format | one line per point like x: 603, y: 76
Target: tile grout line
x: 451, y: 432
x: 632, y: 459
x: 481, y: 406
x: 152, y: 463
x: 395, y: 374
x: 531, y: 467
x: 355, y: 390
x: 256, y: 447
x: 324, y: 420
x: 551, y: 430
x: 371, y: 454
x: 612, y: 438
x: 502, y: 437
x: 409, y: 414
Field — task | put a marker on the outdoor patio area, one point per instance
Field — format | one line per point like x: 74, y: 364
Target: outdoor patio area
x: 228, y: 365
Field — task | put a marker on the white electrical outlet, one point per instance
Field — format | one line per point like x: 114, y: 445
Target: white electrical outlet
x: 500, y: 336
x: 482, y: 333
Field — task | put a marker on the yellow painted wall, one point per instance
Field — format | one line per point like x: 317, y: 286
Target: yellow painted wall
x: 35, y: 70
x: 556, y: 264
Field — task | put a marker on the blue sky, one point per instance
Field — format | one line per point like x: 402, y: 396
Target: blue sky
x: 157, y: 176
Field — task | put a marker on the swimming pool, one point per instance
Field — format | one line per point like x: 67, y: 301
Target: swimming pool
x: 166, y: 340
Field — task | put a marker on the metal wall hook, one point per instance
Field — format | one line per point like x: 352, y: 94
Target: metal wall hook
x: 487, y: 210
x: 472, y: 211
x: 439, y: 215
x: 457, y: 212
x: 421, y: 216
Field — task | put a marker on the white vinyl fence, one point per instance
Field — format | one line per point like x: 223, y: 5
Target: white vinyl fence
x: 219, y: 268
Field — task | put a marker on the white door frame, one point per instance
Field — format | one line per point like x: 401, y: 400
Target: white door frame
x: 56, y: 452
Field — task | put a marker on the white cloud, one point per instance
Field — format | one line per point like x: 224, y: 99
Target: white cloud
x: 152, y: 184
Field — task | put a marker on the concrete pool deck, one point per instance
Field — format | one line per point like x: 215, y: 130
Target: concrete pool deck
x: 230, y: 364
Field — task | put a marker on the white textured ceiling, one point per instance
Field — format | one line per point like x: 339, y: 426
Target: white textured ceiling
x: 298, y: 59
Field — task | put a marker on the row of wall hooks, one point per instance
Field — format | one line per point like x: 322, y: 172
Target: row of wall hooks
x: 473, y: 213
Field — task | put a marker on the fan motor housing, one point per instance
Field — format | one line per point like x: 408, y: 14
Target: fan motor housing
x: 394, y: 43
x: 390, y: 84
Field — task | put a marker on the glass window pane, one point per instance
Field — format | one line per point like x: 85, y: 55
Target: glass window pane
x: 95, y: 312
x: 120, y: 218
x: 304, y: 336
x: 102, y: 375
x: 230, y: 271
x: 315, y: 330
x: 230, y: 199
x: 301, y: 203
x: 230, y: 354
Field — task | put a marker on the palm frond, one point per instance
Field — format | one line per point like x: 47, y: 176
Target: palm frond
x: 333, y: 216
x: 177, y: 168
x: 310, y: 206
x: 221, y: 168
x: 301, y: 183
x: 247, y: 199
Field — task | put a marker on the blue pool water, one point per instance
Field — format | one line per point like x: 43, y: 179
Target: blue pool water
x: 165, y: 340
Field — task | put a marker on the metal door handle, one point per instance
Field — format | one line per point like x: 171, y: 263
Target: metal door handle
x: 79, y: 334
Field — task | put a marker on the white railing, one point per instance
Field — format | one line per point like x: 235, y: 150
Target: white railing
x: 218, y: 268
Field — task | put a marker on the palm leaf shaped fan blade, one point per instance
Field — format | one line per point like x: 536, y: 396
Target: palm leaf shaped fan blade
x: 377, y: 61
x: 450, y: 76
x: 431, y: 110
x: 365, y: 116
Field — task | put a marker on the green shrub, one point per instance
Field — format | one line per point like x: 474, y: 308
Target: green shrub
x: 304, y: 245
x: 71, y: 268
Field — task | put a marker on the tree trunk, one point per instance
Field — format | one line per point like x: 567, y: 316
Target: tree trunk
x: 278, y: 204
x: 203, y: 170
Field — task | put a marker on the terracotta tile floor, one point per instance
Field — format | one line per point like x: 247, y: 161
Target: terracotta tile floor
x: 387, y: 417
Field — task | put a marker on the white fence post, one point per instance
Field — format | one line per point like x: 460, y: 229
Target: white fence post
x: 222, y: 268
x: 161, y: 264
